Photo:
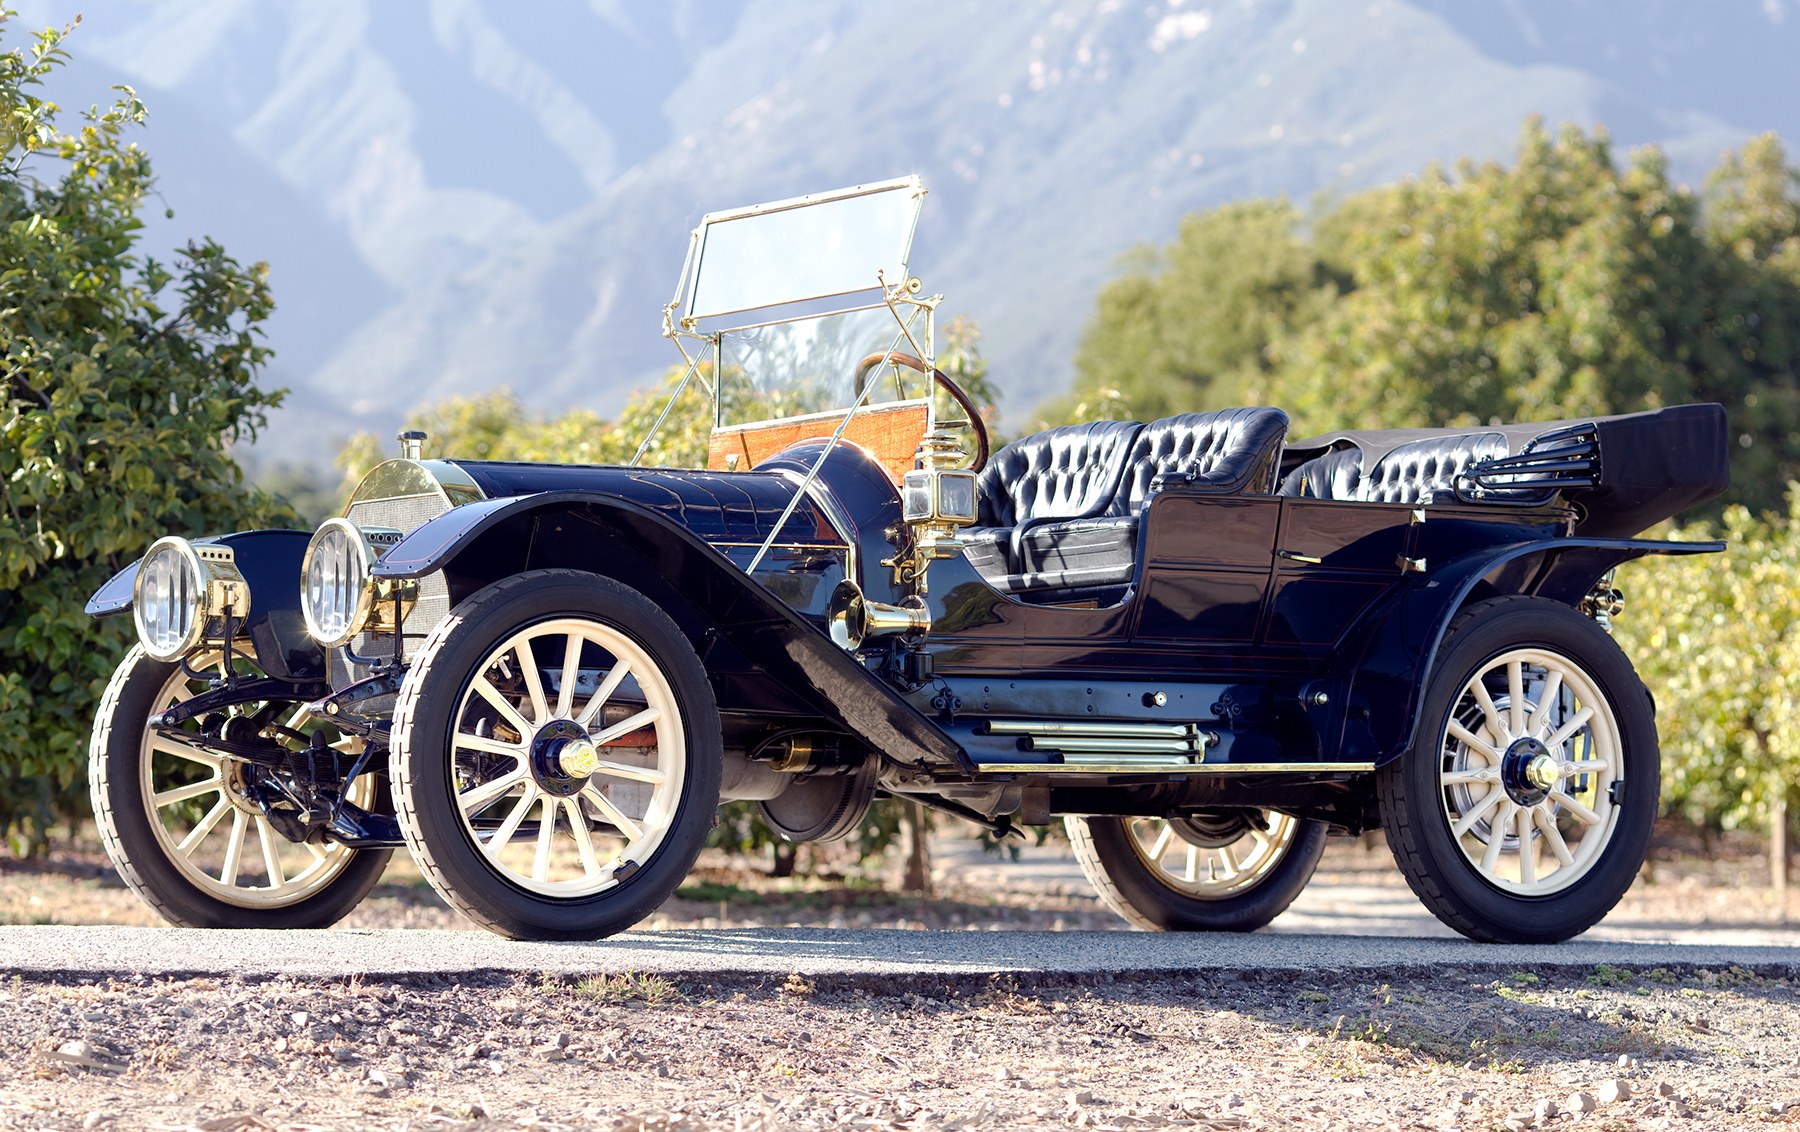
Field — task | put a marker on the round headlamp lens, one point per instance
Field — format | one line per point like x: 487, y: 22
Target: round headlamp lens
x: 333, y: 592
x: 166, y: 604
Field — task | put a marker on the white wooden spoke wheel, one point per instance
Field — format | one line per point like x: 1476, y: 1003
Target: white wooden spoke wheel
x: 557, y: 755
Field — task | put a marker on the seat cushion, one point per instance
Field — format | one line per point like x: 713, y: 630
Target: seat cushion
x: 1335, y: 475
x: 1228, y: 451
x: 1075, y: 554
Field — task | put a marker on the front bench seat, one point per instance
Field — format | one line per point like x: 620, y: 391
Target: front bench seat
x: 1062, y: 473
x: 1229, y: 451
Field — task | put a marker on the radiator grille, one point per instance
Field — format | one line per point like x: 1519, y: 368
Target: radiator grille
x: 403, y: 513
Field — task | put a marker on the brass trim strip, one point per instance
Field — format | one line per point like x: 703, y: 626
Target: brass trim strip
x: 1151, y: 766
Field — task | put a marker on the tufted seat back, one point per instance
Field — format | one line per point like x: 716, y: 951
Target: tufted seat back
x: 1335, y: 475
x: 1062, y: 473
x: 1228, y: 451
x: 1414, y: 472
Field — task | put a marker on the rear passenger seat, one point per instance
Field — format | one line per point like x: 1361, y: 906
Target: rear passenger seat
x: 1416, y: 472
x: 1060, y: 509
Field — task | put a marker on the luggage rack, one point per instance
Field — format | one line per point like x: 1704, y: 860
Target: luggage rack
x: 1553, y: 462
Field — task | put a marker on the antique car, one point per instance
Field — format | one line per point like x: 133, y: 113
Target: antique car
x: 1202, y: 646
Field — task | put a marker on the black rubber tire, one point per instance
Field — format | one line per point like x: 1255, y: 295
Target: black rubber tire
x: 1410, y: 794
x: 123, y: 817
x: 424, y: 791
x: 1128, y: 885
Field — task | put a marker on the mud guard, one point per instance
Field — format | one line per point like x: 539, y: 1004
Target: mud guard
x: 480, y: 542
x: 1384, y: 667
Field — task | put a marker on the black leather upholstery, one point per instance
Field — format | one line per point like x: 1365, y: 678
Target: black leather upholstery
x: 1416, y: 472
x: 1059, y: 510
x: 1335, y: 475
x: 1229, y: 451
x: 1059, y: 474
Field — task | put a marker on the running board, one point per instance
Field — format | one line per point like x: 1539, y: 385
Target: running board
x: 1080, y: 765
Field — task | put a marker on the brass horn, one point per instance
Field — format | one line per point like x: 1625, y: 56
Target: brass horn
x: 853, y: 618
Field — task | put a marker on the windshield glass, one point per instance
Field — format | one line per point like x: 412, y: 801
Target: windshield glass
x: 810, y: 248
x: 807, y: 366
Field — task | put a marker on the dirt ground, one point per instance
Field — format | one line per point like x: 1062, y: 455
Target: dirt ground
x: 1472, y: 1048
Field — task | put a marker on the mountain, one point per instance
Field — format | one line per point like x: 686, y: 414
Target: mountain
x: 456, y: 194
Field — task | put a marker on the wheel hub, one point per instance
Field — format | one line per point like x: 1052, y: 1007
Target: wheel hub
x: 562, y: 758
x: 1529, y: 772
x: 1211, y: 830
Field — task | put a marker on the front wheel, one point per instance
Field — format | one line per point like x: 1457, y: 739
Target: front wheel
x: 557, y: 756
x: 1230, y: 871
x: 1524, y: 809
x: 184, y: 827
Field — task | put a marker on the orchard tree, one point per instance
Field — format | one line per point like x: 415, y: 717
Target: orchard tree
x: 1719, y: 643
x: 122, y: 384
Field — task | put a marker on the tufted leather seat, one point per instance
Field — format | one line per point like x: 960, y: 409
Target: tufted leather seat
x: 1058, y: 474
x: 1415, y: 472
x: 1081, y: 537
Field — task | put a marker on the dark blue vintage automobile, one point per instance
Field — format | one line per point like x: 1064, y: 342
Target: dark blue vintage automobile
x: 1201, y: 645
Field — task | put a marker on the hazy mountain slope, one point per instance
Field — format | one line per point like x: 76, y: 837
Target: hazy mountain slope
x: 461, y: 193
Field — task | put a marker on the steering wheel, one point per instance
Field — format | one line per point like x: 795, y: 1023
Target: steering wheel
x: 940, y: 378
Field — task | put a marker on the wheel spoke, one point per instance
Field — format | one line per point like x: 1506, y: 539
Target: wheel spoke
x: 627, y: 725
x: 510, y: 826
x: 1471, y: 817
x: 1473, y: 741
x: 571, y: 672
x: 1497, y: 835
x: 1547, y: 699
x: 1528, y: 842
x: 584, y: 837
x: 648, y: 774
x: 1587, y: 816
x: 479, y: 797
x: 1574, y: 723
x: 198, y: 833
x: 265, y: 833
x: 1193, y: 864
x: 1227, y: 869
x: 1489, y: 712
x: 466, y: 741
x: 1515, y: 689
x: 612, y: 814
x: 234, y: 847
x: 534, y: 682
x: 608, y: 686
x: 498, y: 702
x: 1464, y: 777
x: 192, y: 790
x: 546, y: 840
x: 1163, y: 839
x: 1553, y: 837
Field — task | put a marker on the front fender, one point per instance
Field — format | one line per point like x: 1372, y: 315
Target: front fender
x: 479, y: 543
x: 1388, y: 660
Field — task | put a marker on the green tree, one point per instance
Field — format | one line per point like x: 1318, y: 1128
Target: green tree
x: 1720, y: 645
x: 1190, y: 321
x: 1562, y: 285
x: 124, y: 383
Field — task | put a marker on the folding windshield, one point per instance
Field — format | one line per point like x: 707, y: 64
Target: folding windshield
x: 838, y: 245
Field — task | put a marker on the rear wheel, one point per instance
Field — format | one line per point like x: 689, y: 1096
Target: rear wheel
x: 1524, y: 809
x: 556, y: 756
x: 1229, y: 871
x: 183, y: 827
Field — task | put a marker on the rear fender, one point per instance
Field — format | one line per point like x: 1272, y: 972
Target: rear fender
x: 1387, y: 661
x: 708, y: 595
x: 270, y: 561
